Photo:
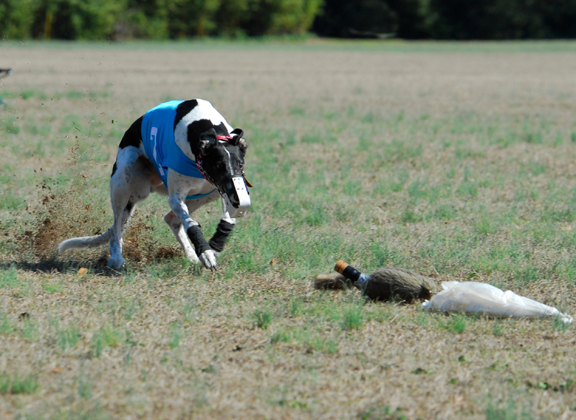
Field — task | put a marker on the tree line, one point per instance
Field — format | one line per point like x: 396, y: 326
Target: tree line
x: 449, y: 19
x: 153, y: 19
x: 174, y: 19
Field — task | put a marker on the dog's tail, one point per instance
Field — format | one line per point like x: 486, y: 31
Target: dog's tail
x: 84, y: 242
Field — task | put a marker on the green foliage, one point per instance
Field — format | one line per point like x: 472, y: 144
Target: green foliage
x: 382, y: 413
x: 154, y: 19
x: 405, y: 18
x: 421, y: 371
x: 448, y: 19
x: 315, y: 341
x: 68, y: 338
x: 176, y: 19
x: 263, y: 318
x: 5, y: 326
x: 352, y: 317
x: 281, y: 336
x: 456, y: 323
x: 184, y: 23
x: 230, y: 16
x: 293, y: 16
x: 53, y: 287
x: 559, y: 325
x: 143, y: 19
x: 501, y: 19
x: 29, y: 329
x: 498, y: 330
x: 16, y: 384
x: 76, y: 19
x: 8, y: 126
x: 106, y: 336
x: 84, y: 386
x: 90, y: 411
x: 507, y: 410
x: 17, y: 17
x: 175, y: 335
x: 9, y: 278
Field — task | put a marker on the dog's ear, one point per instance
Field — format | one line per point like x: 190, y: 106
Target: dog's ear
x: 238, y: 140
x: 208, y: 140
x: 237, y: 134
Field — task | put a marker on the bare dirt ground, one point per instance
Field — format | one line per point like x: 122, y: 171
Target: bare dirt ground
x: 179, y: 344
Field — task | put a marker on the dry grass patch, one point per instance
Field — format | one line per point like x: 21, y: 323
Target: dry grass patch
x: 455, y: 164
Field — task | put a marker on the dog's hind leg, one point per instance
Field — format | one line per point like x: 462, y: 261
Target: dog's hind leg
x: 130, y: 184
x: 125, y: 210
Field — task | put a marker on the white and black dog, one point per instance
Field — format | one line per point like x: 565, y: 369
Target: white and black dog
x: 187, y: 151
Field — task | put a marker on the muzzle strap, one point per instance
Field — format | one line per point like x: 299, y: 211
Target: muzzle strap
x: 236, y: 197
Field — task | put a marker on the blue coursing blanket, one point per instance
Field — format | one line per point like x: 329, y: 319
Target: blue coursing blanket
x: 160, y: 146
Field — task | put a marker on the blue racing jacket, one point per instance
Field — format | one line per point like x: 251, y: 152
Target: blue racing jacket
x: 161, y: 148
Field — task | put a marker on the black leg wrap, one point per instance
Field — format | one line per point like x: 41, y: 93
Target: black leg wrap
x: 197, y: 237
x: 222, y: 232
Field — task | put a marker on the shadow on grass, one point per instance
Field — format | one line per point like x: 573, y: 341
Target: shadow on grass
x: 138, y: 259
x: 54, y: 265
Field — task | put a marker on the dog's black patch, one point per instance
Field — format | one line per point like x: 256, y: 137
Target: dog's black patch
x: 183, y: 109
x: 218, y: 159
x: 221, y: 129
x: 198, y: 127
x: 133, y: 136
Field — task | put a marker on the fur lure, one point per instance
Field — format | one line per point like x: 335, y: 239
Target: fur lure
x: 382, y: 285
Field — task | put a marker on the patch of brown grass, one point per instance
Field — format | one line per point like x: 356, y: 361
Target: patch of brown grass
x: 164, y: 341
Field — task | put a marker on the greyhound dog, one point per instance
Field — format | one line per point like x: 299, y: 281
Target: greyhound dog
x: 187, y: 151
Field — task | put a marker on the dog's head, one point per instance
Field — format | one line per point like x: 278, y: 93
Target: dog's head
x: 223, y: 161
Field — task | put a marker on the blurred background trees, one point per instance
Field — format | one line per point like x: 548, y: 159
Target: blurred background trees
x: 410, y: 19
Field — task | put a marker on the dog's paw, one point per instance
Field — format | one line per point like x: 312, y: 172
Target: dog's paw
x: 208, y: 259
x: 116, y: 262
x: 191, y: 256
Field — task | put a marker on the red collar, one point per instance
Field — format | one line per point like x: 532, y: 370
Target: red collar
x: 199, y: 162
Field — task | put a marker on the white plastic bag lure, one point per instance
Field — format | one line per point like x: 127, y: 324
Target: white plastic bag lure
x: 483, y: 298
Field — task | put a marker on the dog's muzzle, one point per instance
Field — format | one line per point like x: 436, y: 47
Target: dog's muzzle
x: 236, y: 197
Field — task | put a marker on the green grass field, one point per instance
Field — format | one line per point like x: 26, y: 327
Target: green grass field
x: 455, y: 160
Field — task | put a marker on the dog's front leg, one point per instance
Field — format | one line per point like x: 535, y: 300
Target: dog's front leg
x: 193, y: 230
x: 179, y: 187
x: 224, y: 229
